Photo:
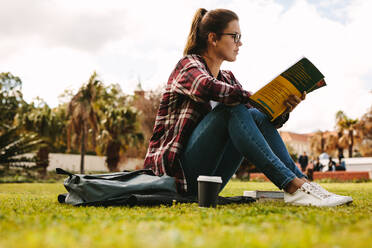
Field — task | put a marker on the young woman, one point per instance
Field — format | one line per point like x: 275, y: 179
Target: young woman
x: 205, y: 125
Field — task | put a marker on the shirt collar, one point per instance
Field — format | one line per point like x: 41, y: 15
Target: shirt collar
x: 219, y: 76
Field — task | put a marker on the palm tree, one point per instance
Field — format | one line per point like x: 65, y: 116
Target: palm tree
x: 15, y: 139
x: 364, y: 133
x: 48, y: 125
x: 330, y: 142
x: 83, y: 116
x: 118, y: 132
x: 317, y: 143
x: 13, y: 146
x: 345, y: 123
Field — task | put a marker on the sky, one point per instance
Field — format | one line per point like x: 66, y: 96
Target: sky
x: 56, y: 45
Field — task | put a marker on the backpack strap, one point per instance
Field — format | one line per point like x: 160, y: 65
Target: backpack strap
x: 126, y: 176
x: 121, y: 177
x: 63, y: 172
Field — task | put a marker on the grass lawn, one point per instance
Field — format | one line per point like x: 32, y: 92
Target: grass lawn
x: 30, y: 216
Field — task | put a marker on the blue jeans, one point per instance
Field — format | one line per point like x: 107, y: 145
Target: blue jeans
x: 225, y: 136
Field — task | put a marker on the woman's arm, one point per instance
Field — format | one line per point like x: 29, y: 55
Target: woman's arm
x: 200, y: 86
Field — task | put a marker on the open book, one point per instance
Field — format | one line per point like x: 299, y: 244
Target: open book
x: 300, y: 77
x: 265, y: 195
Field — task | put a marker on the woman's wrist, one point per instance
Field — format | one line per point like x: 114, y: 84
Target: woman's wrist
x: 279, y: 122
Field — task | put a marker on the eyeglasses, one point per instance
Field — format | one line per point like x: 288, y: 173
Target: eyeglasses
x: 236, y: 36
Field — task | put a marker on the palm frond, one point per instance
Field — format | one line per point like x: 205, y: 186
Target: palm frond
x: 13, y: 146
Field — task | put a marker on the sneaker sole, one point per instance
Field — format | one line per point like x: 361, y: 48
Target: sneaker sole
x: 309, y: 205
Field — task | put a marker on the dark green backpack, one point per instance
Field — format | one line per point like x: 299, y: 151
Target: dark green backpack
x: 141, y: 187
x: 99, y: 189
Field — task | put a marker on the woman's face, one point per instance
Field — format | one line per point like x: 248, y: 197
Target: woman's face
x: 226, y: 48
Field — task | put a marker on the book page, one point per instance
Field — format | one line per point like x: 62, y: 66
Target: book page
x: 303, y: 75
x: 272, y: 96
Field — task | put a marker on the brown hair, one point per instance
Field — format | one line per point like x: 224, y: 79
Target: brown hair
x: 203, y: 23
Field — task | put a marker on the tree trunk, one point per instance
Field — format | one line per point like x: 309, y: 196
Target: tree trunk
x: 112, y: 155
x: 43, y: 157
x: 339, y: 147
x: 82, y: 151
x: 351, y: 144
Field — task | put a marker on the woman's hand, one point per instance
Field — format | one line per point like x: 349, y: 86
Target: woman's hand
x: 293, y: 101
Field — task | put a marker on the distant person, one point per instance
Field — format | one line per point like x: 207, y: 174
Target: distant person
x: 303, y: 160
x: 331, y: 165
x: 193, y: 136
x: 341, y: 166
x: 318, y: 166
x: 310, y: 171
x: 340, y: 157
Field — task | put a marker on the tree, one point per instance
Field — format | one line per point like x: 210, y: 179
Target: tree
x: 119, y: 131
x: 119, y: 125
x: 11, y: 99
x: 83, y: 117
x: 147, y: 103
x: 49, y: 124
x: 345, y: 123
x: 14, y: 141
x: 317, y: 143
x: 14, y: 146
x: 364, y: 133
x: 330, y: 142
x: 60, y: 124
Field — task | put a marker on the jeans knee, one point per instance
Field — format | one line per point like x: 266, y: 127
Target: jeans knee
x: 240, y: 108
x: 258, y: 116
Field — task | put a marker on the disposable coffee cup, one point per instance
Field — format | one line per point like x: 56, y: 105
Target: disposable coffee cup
x: 208, y: 188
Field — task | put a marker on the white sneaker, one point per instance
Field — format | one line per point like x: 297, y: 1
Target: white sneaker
x: 348, y: 199
x: 321, y: 189
x: 311, y: 195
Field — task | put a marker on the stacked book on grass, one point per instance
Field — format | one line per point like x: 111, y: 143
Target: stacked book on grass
x: 265, y: 195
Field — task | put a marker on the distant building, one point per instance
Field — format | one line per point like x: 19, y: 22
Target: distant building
x: 299, y: 142
x: 139, y: 90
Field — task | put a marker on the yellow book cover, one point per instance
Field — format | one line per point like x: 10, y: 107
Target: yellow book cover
x: 300, y: 77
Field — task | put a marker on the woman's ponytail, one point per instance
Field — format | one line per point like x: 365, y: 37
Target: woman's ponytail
x: 193, y: 45
x: 203, y: 23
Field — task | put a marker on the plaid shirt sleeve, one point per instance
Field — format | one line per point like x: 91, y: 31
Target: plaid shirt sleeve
x: 195, y: 81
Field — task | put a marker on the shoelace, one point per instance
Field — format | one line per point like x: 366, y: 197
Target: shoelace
x: 315, y: 191
x: 321, y: 189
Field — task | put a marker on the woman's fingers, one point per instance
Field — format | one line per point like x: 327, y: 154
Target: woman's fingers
x: 303, y: 96
x: 293, y: 101
x: 289, y: 107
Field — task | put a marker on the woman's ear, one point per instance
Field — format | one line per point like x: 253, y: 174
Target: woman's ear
x: 212, y: 39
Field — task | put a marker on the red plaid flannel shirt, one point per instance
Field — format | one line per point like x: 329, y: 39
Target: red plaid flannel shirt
x: 185, y: 102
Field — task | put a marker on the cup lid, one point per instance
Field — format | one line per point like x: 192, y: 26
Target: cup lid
x: 212, y: 179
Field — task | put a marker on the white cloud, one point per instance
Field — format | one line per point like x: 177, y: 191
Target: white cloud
x: 53, y: 45
x: 53, y: 25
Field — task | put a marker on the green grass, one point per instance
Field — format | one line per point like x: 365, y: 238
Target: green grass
x: 30, y: 216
